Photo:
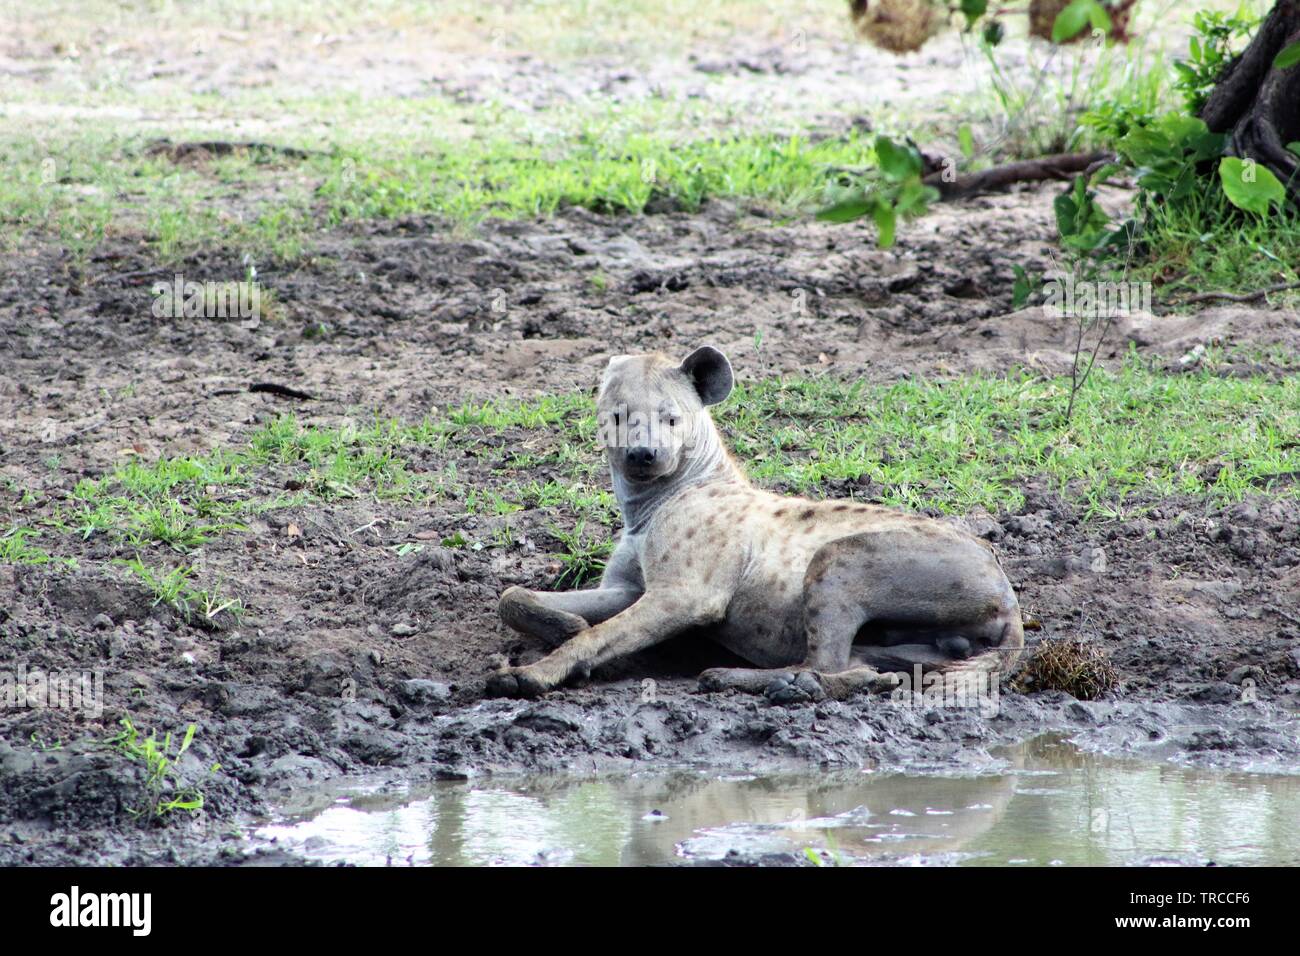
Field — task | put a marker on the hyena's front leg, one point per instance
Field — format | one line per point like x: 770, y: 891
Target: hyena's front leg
x: 655, y: 617
x: 554, y: 617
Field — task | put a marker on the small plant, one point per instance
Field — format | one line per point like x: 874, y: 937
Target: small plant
x: 895, y: 190
x: 164, y: 790
x: 173, y: 589
x: 1216, y: 39
x: 583, y: 560
x: 16, y: 549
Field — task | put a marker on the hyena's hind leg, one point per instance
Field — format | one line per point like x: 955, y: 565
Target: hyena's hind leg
x: 833, y: 613
x: 885, y: 601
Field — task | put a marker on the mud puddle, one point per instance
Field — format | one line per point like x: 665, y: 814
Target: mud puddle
x: 1048, y: 803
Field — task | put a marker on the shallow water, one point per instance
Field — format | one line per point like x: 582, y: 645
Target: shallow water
x: 1049, y: 804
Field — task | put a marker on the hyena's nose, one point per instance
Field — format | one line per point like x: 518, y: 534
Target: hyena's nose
x: 642, y: 456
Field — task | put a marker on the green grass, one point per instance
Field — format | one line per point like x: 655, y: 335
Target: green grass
x: 595, y: 171
x: 1205, y: 244
x: 1137, y: 435
x: 112, y: 190
x: 16, y: 548
x: 583, y: 557
x: 165, y: 792
x: 172, y: 587
x: 1031, y: 112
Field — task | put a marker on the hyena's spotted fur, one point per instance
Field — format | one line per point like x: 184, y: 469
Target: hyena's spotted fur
x: 825, y: 598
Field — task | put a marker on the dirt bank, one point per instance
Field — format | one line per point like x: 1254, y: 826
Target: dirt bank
x: 350, y: 661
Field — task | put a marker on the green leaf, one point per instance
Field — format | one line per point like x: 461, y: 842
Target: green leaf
x: 1250, y: 186
x: 1103, y: 173
x: 1181, y: 128
x: 1021, y: 289
x: 1069, y: 23
x: 1207, y: 145
x: 973, y: 10
x: 966, y: 140
x: 1294, y: 147
x: 1289, y: 56
x: 1080, y: 220
x: 1143, y: 147
x: 914, y: 198
x: 897, y: 162
x: 846, y: 210
x: 1099, y: 18
x: 886, y: 222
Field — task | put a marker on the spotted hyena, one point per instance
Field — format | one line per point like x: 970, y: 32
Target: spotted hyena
x: 824, y: 598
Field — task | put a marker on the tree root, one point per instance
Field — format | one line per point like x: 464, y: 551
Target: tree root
x: 1062, y: 166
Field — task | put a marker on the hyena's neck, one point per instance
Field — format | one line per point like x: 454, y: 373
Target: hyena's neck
x: 707, y: 462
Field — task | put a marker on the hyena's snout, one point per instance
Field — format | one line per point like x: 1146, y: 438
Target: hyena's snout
x: 642, y: 456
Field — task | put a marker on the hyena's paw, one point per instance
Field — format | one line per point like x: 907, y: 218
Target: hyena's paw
x: 797, y: 688
x: 523, y: 611
x: 514, y: 682
x: 780, y: 687
x: 717, y: 679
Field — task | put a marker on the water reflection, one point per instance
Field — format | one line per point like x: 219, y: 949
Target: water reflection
x: 1049, y: 804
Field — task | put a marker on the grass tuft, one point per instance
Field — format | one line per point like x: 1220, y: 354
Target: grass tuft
x: 1079, y: 668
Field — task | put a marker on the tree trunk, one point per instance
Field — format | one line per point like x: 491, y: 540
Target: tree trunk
x: 1260, y: 105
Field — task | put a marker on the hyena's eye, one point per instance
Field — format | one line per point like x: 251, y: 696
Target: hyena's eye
x: 672, y: 422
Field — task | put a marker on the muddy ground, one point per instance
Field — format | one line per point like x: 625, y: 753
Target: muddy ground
x: 350, y: 661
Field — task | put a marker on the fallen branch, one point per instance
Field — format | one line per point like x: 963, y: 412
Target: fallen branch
x: 178, y: 151
x: 1235, y: 296
x: 284, y: 391
x: 1055, y: 166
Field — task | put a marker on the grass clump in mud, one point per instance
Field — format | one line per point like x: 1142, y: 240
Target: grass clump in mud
x: 1079, y: 668
x: 173, y: 588
x: 165, y: 792
x: 172, y: 501
x: 583, y: 558
x: 16, y: 548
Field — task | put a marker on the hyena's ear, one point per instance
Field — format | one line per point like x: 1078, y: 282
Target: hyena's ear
x: 710, y: 372
x: 614, y: 362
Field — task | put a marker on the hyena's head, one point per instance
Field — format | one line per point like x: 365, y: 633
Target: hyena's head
x: 652, y: 410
